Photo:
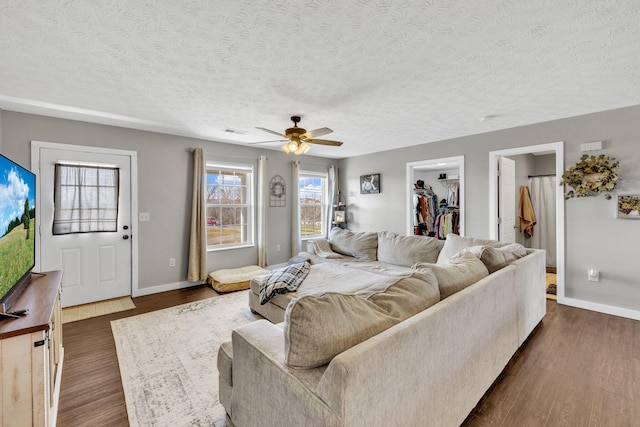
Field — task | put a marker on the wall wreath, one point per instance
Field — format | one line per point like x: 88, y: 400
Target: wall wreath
x: 591, y: 176
x: 277, y: 192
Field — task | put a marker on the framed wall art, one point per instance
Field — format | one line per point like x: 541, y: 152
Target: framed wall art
x: 370, y: 184
x: 629, y: 207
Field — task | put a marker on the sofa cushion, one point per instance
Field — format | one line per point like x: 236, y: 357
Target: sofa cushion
x: 362, y: 244
x: 461, y: 271
x: 322, y: 248
x: 318, y: 327
x: 406, y: 250
x: 496, y: 258
x: 454, y: 244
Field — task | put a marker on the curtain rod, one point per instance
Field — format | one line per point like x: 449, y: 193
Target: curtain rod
x: 190, y: 150
x: 315, y: 164
x: 540, y: 176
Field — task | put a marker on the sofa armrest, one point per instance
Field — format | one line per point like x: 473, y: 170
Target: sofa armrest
x: 265, y: 391
x: 531, y: 296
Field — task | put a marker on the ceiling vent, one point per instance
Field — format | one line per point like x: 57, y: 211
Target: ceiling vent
x: 234, y: 131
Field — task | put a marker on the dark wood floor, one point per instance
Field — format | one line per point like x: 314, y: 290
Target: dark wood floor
x: 579, y: 368
x: 91, y: 391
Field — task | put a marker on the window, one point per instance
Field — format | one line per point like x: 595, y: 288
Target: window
x: 229, y: 201
x: 85, y: 199
x: 313, y: 204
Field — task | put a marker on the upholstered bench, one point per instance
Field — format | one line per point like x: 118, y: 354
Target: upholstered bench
x: 234, y: 279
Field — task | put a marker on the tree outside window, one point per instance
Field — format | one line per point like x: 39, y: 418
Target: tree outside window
x: 313, y: 204
x: 229, y: 206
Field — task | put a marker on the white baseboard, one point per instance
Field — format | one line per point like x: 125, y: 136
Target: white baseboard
x: 601, y: 308
x: 162, y: 288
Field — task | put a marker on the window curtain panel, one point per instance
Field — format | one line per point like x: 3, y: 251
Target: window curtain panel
x: 198, y: 239
x: 332, y: 195
x: 296, y: 242
x: 262, y: 211
x: 543, y: 199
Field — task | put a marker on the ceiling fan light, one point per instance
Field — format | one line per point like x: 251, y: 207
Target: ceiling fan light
x: 285, y: 148
x: 293, y: 146
x: 304, y: 147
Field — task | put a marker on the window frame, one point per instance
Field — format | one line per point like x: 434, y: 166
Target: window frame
x: 249, y: 169
x: 324, y: 203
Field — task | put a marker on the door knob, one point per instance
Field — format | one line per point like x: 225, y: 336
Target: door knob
x: 125, y: 237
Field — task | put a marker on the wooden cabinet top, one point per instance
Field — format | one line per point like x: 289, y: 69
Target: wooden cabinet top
x: 39, y: 297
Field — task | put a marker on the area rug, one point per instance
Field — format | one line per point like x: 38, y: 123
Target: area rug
x: 95, y: 309
x: 167, y: 360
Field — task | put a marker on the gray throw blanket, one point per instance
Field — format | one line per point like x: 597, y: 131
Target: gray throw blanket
x: 282, y: 280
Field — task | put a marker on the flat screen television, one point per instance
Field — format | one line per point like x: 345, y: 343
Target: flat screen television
x: 17, y: 230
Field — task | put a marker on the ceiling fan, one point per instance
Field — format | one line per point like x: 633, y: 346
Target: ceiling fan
x: 299, y: 139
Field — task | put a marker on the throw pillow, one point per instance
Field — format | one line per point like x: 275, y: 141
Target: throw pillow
x: 362, y: 244
x: 454, y: 244
x: 282, y: 280
x: 496, y: 258
x: 406, y: 250
x: 460, y: 272
x: 322, y: 248
x: 319, y: 327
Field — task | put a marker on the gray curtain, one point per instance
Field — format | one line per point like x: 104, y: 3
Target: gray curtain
x: 198, y: 239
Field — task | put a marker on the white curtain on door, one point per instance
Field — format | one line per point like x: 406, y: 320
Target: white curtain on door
x: 543, y: 198
x: 296, y: 242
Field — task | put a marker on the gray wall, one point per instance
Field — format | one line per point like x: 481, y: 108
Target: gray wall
x: 594, y: 238
x: 164, y: 188
x: 545, y: 164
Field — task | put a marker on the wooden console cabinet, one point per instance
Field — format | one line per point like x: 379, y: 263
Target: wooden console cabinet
x: 31, y: 355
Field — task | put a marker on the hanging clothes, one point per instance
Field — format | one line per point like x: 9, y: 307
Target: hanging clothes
x: 453, y: 194
x: 525, y: 213
x: 426, y: 208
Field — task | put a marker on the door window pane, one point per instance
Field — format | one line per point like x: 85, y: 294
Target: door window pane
x: 85, y: 199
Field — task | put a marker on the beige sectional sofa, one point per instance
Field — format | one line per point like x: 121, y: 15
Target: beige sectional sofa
x: 385, y: 330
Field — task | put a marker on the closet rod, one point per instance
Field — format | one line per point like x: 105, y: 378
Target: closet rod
x: 540, y: 176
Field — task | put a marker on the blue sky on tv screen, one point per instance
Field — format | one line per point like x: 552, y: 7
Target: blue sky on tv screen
x: 16, y: 185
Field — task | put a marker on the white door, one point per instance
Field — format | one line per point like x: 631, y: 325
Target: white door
x: 96, y: 265
x: 507, y: 200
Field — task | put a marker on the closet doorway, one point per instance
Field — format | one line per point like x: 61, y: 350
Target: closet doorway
x: 445, y: 178
x: 537, y: 171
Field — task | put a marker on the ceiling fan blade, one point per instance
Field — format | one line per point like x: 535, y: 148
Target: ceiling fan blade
x: 317, y: 132
x: 264, y: 142
x: 324, y: 142
x: 272, y: 131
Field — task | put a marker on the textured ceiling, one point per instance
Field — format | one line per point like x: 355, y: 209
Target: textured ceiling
x: 381, y: 73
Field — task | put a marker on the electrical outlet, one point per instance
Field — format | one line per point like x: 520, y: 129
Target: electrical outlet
x: 593, y: 275
x: 278, y: 247
x: 172, y: 262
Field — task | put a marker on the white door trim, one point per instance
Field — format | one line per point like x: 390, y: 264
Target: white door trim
x: 133, y: 155
x: 558, y: 148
